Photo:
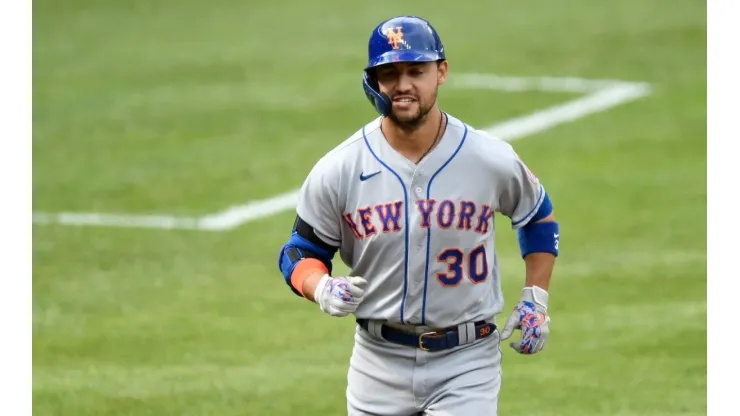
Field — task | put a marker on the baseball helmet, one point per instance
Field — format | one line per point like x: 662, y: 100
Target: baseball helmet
x: 399, y: 39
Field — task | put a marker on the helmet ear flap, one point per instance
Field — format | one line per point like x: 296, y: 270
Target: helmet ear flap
x: 379, y: 100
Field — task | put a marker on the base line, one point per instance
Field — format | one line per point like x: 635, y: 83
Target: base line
x: 116, y: 220
x: 509, y: 130
x: 600, y: 95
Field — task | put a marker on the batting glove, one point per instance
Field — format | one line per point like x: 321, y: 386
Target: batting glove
x: 530, y: 316
x: 339, y: 296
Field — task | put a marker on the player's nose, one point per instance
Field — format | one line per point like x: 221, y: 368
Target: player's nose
x: 404, y: 84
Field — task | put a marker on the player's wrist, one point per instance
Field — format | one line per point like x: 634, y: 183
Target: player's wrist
x: 307, y: 275
x: 318, y: 286
x: 536, y: 295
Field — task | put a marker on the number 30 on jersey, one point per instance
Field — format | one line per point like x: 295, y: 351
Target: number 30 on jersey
x: 474, y: 264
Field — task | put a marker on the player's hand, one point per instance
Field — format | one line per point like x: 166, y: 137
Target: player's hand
x: 339, y: 296
x: 530, y: 316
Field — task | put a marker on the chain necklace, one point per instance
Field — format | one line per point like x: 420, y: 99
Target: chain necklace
x: 442, y: 118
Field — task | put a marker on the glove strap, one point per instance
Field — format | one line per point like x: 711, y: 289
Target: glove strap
x: 320, y: 287
x: 536, y: 294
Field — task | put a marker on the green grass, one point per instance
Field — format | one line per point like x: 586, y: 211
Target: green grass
x: 186, y: 107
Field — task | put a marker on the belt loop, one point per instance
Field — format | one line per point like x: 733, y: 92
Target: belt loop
x: 466, y: 333
x: 462, y: 334
x: 375, y: 328
x: 471, y: 332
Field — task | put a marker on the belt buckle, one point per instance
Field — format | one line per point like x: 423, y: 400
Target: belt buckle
x: 421, y: 340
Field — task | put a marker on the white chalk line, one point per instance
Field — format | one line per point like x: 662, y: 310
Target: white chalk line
x: 542, y: 120
x: 523, y: 84
x: 601, y: 95
x: 239, y: 214
x: 117, y: 220
x: 510, y: 130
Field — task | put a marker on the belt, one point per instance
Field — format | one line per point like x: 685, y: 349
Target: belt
x: 439, y: 340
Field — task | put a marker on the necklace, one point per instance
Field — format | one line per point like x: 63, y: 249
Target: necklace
x: 442, y: 118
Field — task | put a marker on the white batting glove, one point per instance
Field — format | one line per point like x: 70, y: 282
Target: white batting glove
x: 530, y: 316
x: 339, y: 296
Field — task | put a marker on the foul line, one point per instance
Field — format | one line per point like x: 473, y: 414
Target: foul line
x: 510, y: 130
x: 600, y: 95
x: 117, y: 220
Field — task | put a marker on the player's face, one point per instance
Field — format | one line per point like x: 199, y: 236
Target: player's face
x: 412, y: 86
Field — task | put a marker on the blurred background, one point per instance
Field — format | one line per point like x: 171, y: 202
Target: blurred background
x: 186, y: 107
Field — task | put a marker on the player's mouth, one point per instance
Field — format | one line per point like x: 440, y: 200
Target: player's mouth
x: 403, y: 101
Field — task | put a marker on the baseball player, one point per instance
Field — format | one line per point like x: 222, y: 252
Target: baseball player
x: 409, y: 203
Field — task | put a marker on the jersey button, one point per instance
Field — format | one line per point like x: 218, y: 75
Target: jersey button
x: 418, y: 191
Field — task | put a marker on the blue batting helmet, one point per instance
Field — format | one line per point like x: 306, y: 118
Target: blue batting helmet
x: 399, y: 39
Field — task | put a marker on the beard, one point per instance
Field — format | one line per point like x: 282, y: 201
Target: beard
x: 411, y: 122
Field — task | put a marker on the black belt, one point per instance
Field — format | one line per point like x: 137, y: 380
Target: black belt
x: 430, y: 341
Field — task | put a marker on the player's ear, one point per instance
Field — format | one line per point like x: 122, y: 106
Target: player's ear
x: 441, y: 72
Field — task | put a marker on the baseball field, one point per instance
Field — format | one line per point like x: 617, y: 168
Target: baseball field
x: 169, y: 137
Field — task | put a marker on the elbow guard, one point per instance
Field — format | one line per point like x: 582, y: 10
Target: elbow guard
x: 303, y: 244
x: 540, y: 237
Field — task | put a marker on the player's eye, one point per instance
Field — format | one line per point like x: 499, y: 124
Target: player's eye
x: 385, y: 74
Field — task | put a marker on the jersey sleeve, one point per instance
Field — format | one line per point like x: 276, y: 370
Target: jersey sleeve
x: 318, y: 203
x: 521, y: 192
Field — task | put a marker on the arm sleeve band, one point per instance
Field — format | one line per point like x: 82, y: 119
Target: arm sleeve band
x: 302, y: 270
x: 544, y: 211
x: 539, y: 237
x: 303, y: 252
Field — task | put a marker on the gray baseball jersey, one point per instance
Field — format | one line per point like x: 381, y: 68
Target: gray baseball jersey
x: 421, y: 235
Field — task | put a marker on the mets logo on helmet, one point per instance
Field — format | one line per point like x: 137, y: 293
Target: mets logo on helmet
x: 394, y: 36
